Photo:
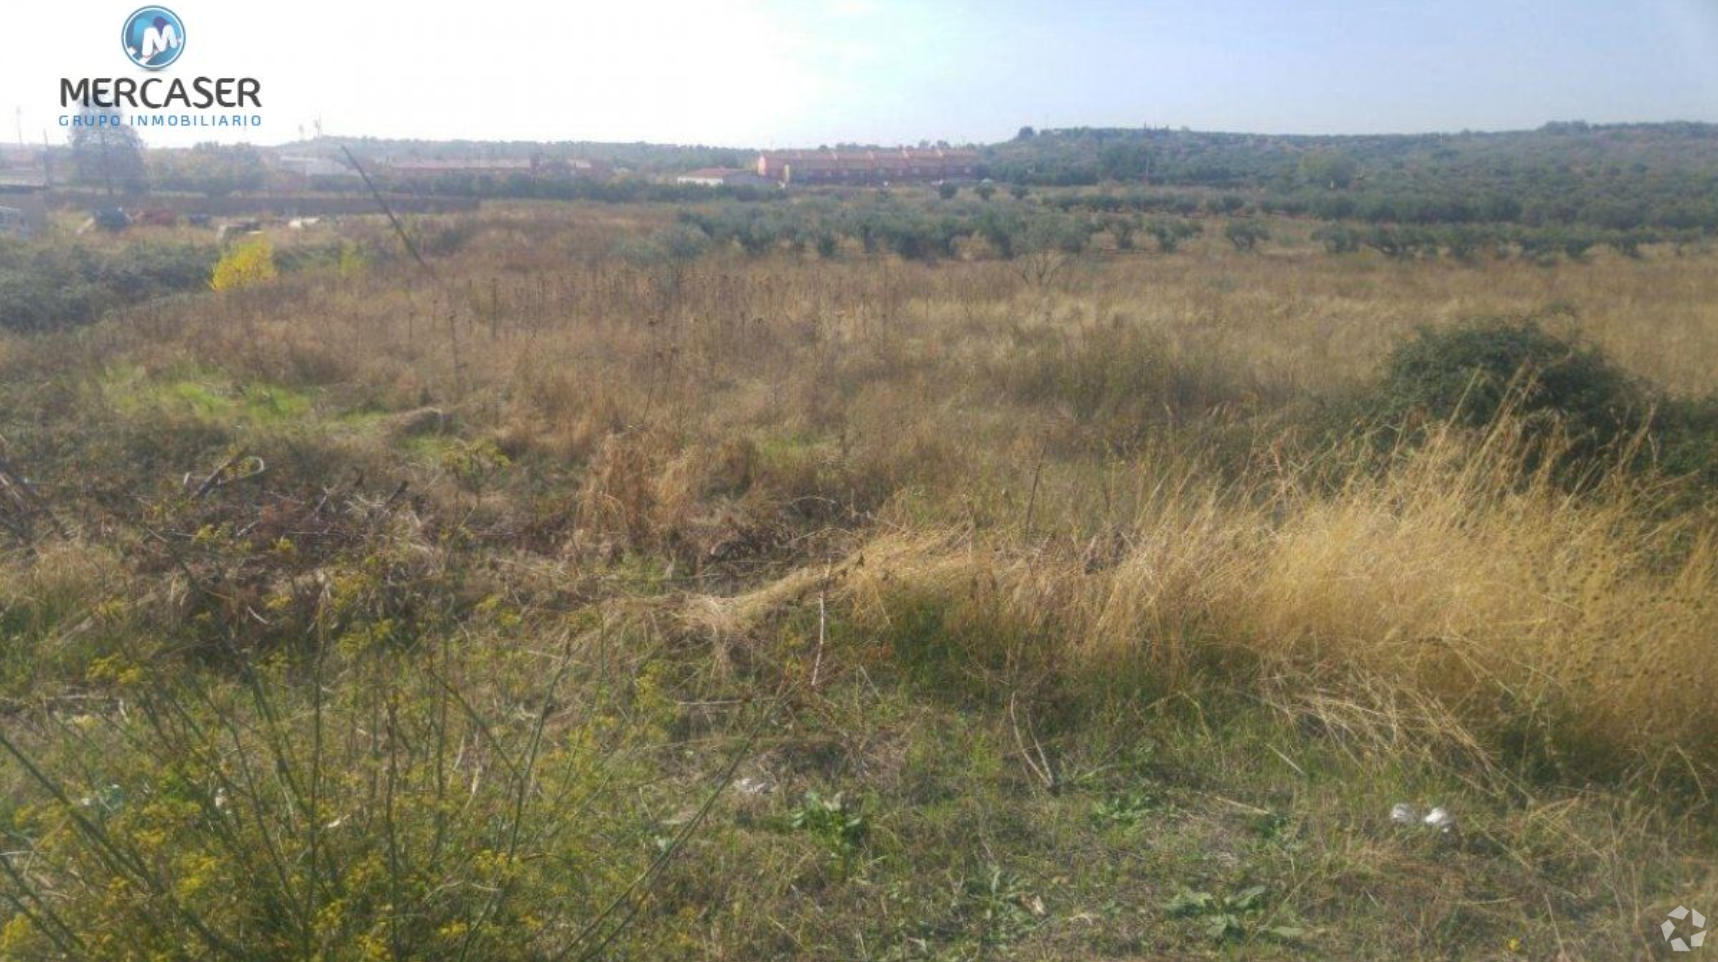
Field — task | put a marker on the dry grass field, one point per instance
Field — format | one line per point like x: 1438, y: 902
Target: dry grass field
x: 573, y: 599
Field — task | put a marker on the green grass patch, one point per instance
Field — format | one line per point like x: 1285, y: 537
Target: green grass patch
x: 205, y: 395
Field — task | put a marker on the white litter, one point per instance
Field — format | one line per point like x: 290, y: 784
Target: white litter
x: 1437, y: 818
x: 1441, y: 821
x: 753, y: 786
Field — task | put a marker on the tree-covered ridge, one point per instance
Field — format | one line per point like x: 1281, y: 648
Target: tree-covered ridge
x: 1616, y: 176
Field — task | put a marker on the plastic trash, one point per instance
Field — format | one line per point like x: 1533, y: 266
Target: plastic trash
x: 1440, y: 820
x: 1436, y: 818
x: 753, y: 786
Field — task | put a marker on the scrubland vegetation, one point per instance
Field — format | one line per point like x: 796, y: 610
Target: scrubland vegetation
x: 751, y: 582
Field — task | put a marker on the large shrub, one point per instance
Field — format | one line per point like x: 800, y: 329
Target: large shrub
x: 1685, y: 438
x: 1470, y: 373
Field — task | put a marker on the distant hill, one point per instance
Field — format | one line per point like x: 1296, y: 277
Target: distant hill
x: 1619, y: 176
x: 1616, y: 176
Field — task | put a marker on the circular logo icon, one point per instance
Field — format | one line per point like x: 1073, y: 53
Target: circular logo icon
x: 153, y: 37
x: 1672, y: 929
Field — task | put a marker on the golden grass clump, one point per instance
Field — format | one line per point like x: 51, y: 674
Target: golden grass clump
x: 1511, y: 616
x: 1550, y: 622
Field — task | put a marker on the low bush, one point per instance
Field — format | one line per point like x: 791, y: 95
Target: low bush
x: 1471, y: 373
x: 244, y: 265
x: 49, y: 287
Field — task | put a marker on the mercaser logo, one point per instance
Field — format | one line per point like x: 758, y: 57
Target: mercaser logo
x: 153, y: 37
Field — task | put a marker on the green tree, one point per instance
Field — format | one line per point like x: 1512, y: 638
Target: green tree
x: 216, y: 170
x: 1124, y: 161
x: 1396, y: 243
x: 999, y: 228
x: 108, y: 153
x: 668, y: 255
x: 1337, y: 238
x: 1170, y: 233
x: 1122, y: 228
x: 1047, y: 245
x: 1246, y: 234
x: 1329, y: 169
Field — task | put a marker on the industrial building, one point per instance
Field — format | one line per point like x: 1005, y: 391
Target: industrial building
x: 724, y: 177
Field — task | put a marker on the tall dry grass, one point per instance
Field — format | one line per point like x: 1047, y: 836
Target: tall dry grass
x: 1460, y: 602
x: 1082, y: 498
x: 1103, y: 444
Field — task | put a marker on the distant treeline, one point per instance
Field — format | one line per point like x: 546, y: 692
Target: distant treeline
x: 625, y: 190
x: 1619, y: 177
x: 1064, y: 223
x: 1419, y: 228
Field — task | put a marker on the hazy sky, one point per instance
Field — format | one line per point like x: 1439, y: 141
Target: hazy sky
x: 778, y: 73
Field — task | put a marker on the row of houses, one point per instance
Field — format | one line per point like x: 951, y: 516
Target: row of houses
x: 904, y: 165
x: 901, y: 165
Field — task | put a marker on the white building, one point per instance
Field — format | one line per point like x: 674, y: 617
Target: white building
x: 723, y: 177
x: 312, y: 166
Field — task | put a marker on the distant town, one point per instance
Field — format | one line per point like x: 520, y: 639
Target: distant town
x: 210, y: 180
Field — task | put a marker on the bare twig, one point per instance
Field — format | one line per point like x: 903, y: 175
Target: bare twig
x: 822, y: 624
x: 1032, y: 498
x: 1036, y: 759
x: 27, y: 503
x: 226, y: 473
